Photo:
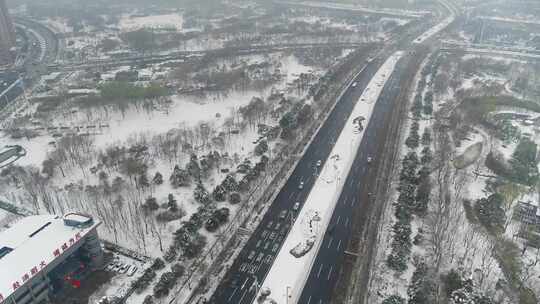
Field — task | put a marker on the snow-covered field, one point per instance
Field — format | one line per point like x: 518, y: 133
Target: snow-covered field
x: 166, y: 21
x: 287, y: 270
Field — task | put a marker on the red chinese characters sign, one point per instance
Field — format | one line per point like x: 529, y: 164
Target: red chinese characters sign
x: 36, y: 269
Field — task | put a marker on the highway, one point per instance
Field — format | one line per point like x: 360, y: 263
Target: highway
x: 257, y: 256
x: 255, y: 259
x: 327, y: 267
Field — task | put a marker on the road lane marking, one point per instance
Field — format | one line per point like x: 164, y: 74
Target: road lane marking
x: 330, y: 242
x: 232, y: 295
x: 329, y: 273
x: 243, y: 295
x: 319, y: 272
x: 309, y: 300
x: 244, y: 284
x: 339, y: 245
x: 338, y: 219
x: 346, y: 222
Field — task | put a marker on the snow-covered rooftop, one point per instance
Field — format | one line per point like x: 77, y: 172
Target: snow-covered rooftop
x: 31, y: 244
x: 290, y: 271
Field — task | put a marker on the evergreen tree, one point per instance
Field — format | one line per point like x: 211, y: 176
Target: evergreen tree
x: 158, y: 179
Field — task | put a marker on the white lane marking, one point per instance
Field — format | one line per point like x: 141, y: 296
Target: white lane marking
x: 339, y: 245
x: 243, y: 295
x: 329, y: 273
x: 330, y: 242
x: 309, y: 300
x: 352, y: 202
x: 338, y: 219
x: 232, y: 295
x: 319, y: 272
x: 346, y: 222
x: 244, y: 284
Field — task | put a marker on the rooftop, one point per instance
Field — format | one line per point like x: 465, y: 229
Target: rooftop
x: 35, y: 241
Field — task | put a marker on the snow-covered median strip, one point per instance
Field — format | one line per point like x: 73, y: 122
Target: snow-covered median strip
x: 289, y: 272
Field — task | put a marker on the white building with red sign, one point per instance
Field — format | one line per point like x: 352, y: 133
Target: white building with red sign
x: 41, y: 254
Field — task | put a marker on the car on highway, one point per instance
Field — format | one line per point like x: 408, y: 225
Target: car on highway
x: 354, y: 84
x: 283, y: 214
x: 319, y: 163
x: 369, y: 159
x: 301, y: 185
x: 296, y: 206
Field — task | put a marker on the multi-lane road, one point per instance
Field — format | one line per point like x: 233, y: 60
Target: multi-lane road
x: 327, y: 267
x: 250, y: 268
x: 257, y: 256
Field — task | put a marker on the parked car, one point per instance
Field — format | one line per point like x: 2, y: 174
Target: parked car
x: 118, y: 266
x: 132, y: 271
x: 125, y: 269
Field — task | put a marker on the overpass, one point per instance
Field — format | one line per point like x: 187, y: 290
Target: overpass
x: 490, y: 49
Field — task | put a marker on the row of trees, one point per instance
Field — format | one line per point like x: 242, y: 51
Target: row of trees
x: 414, y: 188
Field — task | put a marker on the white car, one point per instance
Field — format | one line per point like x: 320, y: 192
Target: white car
x: 354, y: 84
x: 369, y: 159
x: 296, y: 206
x: 125, y: 269
x: 301, y: 185
x: 319, y: 163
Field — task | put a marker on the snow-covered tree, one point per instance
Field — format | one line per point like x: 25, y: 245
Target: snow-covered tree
x: 180, y: 178
x: 201, y: 195
x: 261, y: 147
x: 158, y: 179
x: 230, y: 183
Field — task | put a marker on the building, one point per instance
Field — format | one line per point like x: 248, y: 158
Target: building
x: 7, y: 35
x: 41, y: 255
x: 528, y: 213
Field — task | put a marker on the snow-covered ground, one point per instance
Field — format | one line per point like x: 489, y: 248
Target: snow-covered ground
x: 287, y: 270
x: 131, y: 22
